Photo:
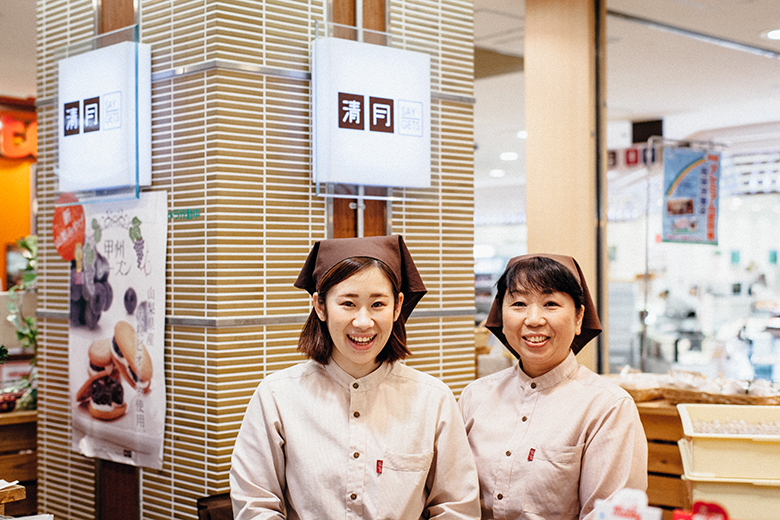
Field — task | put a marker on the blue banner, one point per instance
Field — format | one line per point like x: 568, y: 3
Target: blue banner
x: 690, y: 205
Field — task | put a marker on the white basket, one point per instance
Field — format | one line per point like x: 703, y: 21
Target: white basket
x: 725, y: 455
x: 743, y: 499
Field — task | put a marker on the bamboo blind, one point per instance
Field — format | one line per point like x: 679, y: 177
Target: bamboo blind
x: 231, y: 138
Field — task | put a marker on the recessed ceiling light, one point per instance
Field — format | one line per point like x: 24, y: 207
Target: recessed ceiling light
x: 509, y: 156
x: 772, y: 35
x: 496, y: 173
x: 522, y: 134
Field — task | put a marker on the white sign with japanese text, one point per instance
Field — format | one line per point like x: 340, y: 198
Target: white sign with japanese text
x: 372, y: 114
x: 117, y: 326
x: 99, y: 147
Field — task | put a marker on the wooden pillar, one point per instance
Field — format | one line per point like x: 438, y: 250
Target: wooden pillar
x: 345, y: 210
x: 565, y: 147
x: 117, y: 490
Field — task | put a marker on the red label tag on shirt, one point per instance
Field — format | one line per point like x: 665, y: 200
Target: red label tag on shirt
x: 531, y: 454
x: 379, y: 467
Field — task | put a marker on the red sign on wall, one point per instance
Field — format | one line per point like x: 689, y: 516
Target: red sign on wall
x: 68, y: 226
x: 18, y: 137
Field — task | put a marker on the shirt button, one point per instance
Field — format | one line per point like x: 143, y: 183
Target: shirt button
x: 355, y: 385
x: 353, y: 496
x: 500, y: 496
x: 356, y: 414
x: 525, y: 418
x: 356, y: 454
x: 533, y: 385
x: 508, y: 453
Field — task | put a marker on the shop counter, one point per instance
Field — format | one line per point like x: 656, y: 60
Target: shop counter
x: 663, y: 428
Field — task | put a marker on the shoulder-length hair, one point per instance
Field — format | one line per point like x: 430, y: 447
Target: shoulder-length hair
x: 315, y: 340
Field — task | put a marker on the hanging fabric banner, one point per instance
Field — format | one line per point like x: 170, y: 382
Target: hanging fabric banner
x: 116, y: 334
x: 690, y: 203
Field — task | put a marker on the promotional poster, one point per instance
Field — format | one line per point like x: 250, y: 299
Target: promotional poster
x: 690, y: 204
x: 116, y: 252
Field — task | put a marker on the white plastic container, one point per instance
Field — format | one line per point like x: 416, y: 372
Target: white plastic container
x: 729, y: 455
x: 743, y: 499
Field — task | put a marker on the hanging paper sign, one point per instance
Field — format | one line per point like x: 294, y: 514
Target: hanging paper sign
x: 116, y: 336
x: 690, y: 204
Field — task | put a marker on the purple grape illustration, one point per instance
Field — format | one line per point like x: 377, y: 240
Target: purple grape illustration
x: 138, y: 241
x: 131, y: 300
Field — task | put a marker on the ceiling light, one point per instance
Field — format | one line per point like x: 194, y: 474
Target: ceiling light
x: 522, y: 134
x: 496, y: 173
x: 772, y: 35
x: 509, y: 156
x: 484, y: 251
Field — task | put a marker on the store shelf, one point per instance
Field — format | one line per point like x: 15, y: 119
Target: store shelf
x: 19, y: 458
x: 663, y: 428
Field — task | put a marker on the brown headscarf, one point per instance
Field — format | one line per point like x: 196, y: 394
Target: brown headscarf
x: 591, y: 326
x: 389, y: 249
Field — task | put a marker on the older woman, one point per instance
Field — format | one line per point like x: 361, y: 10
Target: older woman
x: 549, y: 436
x: 353, y: 433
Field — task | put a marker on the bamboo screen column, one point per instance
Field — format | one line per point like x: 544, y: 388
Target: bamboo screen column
x: 231, y: 134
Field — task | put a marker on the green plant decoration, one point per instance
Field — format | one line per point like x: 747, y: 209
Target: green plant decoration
x: 26, y: 326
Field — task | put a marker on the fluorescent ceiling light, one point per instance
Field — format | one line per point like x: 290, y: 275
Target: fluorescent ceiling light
x: 522, y: 134
x: 509, y: 156
x: 496, y: 173
x: 773, y: 35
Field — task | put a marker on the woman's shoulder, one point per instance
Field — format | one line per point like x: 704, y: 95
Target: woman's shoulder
x: 495, y: 379
x: 600, y: 386
x: 408, y: 375
x: 294, y: 372
x: 480, y: 388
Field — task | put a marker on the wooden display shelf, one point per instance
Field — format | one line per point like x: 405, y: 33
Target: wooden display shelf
x: 11, y: 494
x: 19, y: 460
x: 663, y: 428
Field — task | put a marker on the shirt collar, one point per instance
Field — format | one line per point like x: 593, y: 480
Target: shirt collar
x: 551, y: 378
x: 366, y: 383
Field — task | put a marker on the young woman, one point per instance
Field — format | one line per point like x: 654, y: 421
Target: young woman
x: 549, y: 436
x: 353, y: 432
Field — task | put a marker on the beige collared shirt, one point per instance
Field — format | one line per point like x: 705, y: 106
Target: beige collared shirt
x: 316, y: 443
x: 546, y: 448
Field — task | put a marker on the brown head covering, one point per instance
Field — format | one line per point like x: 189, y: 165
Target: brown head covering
x: 389, y: 249
x: 591, y: 326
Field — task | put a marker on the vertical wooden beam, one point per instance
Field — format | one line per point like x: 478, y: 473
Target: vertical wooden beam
x: 564, y: 170
x: 117, y: 488
x: 375, y: 212
x: 115, y: 14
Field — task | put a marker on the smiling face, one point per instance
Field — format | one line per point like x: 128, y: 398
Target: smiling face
x: 359, y: 312
x: 540, y: 327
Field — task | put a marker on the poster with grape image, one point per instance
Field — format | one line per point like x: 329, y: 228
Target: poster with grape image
x: 116, y: 253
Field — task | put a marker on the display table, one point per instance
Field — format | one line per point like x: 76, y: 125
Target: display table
x: 19, y: 459
x: 663, y: 428
x: 11, y: 494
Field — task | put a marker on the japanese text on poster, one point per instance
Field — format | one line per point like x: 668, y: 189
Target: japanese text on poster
x: 690, y: 203
x: 116, y: 335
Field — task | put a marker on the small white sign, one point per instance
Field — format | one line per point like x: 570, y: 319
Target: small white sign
x: 372, y: 115
x: 97, y: 118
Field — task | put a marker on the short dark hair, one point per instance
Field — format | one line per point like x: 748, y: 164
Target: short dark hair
x: 542, y: 274
x: 315, y: 340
